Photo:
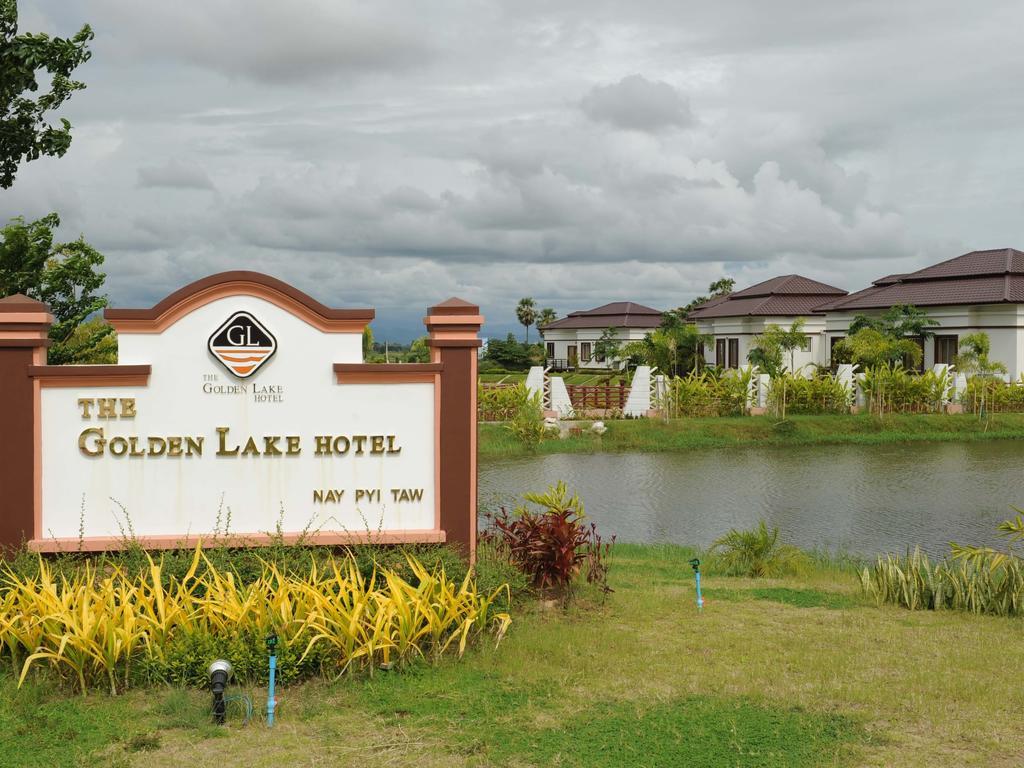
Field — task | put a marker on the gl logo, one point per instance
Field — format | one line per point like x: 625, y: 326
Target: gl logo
x: 242, y: 345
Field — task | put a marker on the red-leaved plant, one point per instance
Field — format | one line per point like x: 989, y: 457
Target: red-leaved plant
x: 551, y: 545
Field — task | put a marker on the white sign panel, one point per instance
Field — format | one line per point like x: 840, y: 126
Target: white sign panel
x: 243, y: 427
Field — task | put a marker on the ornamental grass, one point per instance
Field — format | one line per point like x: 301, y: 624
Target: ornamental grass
x: 113, y: 629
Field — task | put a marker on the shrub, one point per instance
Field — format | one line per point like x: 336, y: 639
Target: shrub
x: 502, y: 402
x: 993, y: 394
x: 551, y: 545
x: 708, y: 393
x: 756, y: 553
x: 822, y: 393
x: 93, y: 627
x: 977, y: 579
x: 893, y: 389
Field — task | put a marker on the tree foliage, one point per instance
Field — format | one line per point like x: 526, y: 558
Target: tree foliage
x: 607, y: 347
x: 511, y: 354
x: 65, y: 277
x: 25, y: 134
x: 721, y: 287
x: 674, y: 349
x: 526, y: 313
x: 899, y: 321
x: 546, y: 316
x: 869, y: 347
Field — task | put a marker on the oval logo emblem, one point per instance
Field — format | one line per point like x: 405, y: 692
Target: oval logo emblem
x: 242, y: 345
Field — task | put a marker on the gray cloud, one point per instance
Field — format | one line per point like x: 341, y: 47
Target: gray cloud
x: 395, y: 153
x: 638, y: 104
x: 175, y: 175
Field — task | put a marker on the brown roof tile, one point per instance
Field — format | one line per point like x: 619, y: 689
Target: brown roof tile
x: 617, y: 314
x: 787, y: 295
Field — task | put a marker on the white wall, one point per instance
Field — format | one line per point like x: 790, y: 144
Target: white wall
x: 564, y: 338
x: 1004, y: 324
x: 744, y: 329
x: 178, y: 496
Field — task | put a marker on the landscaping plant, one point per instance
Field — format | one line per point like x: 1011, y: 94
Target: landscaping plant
x: 756, y: 553
x: 94, y: 628
x: 551, y: 545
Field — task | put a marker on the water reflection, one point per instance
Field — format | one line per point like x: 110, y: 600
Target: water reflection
x: 862, y: 499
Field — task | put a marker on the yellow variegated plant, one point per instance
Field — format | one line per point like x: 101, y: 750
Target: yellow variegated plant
x: 91, y: 627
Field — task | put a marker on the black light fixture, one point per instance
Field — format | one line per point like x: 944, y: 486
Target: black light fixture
x: 220, y: 672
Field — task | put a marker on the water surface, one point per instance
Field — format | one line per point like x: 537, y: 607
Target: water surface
x: 858, y: 499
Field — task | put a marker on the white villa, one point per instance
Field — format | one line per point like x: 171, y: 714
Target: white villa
x: 734, y: 320
x: 978, y: 291
x: 570, y: 342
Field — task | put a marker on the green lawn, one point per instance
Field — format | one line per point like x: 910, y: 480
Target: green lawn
x: 685, y: 434
x: 796, y: 672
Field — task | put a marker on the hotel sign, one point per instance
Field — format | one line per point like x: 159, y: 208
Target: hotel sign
x: 240, y: 408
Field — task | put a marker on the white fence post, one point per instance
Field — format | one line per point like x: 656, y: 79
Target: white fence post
x: 560, y: 402
x: 638, y: 402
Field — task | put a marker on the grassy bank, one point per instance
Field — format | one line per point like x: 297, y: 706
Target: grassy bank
x: 795, y: 672
x: 684, y: 434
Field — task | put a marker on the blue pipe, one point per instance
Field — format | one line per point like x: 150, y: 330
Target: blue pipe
x: 700, y: 600
x: 270, y: 692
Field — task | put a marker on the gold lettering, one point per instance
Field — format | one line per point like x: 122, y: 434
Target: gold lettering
x: 359, y: 440
x: 194, y: 445
x: 294, y: 447
x: 323, y: 446
x: 157, y: 446
x: 96, y: 448
x: 86, y: 403
x: 174, y: 446
x: 117, y: 446
x: 108, y: 408
x: 318, y: 497
x: 128, y: 408
x: 340, y: 441
x: 377, y: 444
x: 134, y: 443
x: 250, y: 448
x: 391, y: 445
x: 222, y: 450
x: 270, y: 446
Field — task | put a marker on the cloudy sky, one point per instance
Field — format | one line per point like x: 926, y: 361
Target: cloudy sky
x: 392, y: 154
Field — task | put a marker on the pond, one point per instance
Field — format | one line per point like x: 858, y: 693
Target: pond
x: 855, y: 499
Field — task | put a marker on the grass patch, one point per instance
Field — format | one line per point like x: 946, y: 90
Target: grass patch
x: 655, y: 435
x: 635, y: 678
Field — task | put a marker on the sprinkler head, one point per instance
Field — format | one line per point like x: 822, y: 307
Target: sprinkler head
x: 695, y: 564
x: 271, y: 643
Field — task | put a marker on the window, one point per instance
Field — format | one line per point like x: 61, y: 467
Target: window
x: 946, y: 349
x: 832, y: 351
x: 551, y: 350
x: 585, y: 351
x: 734, y: 353
x: 806, y: 347
x: 720, y: 353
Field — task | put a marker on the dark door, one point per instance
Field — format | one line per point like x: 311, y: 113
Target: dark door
x: 720, y: 360
x: 734, y: 353
x: 573, y: 359
x: 946, y: 349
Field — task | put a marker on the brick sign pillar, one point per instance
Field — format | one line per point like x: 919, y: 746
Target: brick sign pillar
x: 24, y: 327
x: 454, y: 328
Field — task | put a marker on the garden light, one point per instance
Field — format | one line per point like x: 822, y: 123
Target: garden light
x: 220, y: 672
x: 695, y: 564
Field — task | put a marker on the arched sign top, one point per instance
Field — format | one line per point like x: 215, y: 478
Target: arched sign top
x: 238, y: 283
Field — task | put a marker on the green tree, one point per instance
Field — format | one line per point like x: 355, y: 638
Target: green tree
x: 367, y: 342
x: 419, y: 350
x: 973, y: 361
x: 899, y: 321
x: 721, y: 287
x: 65, y: 277
x: 25, y: 134
x: 869, y: 347
x: 674, y: 349
x: 608, y: 345
x: 768, y: 350
x: 545, y: 317
x: 526, y: 312
x: 510, y: 354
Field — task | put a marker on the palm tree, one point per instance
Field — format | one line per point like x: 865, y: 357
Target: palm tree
x: 526, y: 311
x: 545, y: 317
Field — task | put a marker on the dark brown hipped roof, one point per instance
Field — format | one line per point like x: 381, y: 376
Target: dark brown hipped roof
x: 618, y: 314
x: 787, y: 295
x: 978, y: 277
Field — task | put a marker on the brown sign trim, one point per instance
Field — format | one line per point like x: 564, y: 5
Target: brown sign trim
x: 91, y: 375
x: 236, y: 283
